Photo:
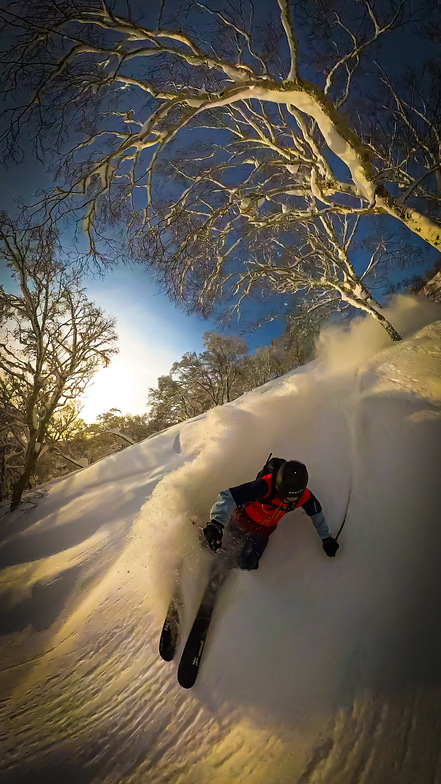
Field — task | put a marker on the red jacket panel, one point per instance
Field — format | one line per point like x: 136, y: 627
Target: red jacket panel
x: 269, y: 515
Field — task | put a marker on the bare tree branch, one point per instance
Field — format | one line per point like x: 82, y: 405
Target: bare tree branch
x: 187, y: 137
x: 57, y: 341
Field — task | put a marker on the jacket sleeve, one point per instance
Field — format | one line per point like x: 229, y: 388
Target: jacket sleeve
x: 313, y: 508
x: 227, y: 500
x: 223, y: 507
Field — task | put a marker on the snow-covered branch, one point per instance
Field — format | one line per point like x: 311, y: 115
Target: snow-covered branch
x: 286, y: 19
x: 193, y: 141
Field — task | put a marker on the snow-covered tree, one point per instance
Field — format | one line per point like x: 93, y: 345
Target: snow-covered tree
x: 198, y: 382
x: 169, y: 403
x: 213, y: 376
x: 217, y: 131
x: 129, y: 428
x: 53, y: 339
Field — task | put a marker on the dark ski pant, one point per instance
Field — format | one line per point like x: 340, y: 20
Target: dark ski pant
x: 245, y: 547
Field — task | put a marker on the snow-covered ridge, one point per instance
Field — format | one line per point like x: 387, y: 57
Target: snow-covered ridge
x: 316, y: 670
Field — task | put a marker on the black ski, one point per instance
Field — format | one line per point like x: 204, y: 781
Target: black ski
x: 169, y: 639
x: 194, y: 647
x: 170, y: 632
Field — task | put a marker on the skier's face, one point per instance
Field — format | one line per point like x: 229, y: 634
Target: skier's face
x: 293, y: 498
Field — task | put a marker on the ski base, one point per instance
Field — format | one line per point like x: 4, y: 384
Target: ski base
x: 194, y: 647
x: 191, y: 657
x: 169, y: 639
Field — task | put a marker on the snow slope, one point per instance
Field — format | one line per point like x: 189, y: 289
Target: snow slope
x: 316, y: 670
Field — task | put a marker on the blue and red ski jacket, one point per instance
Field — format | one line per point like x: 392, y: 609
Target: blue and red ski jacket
x: 263, y: 518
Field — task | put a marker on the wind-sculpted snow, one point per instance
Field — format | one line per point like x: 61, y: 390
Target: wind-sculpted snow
x: 316, y: 670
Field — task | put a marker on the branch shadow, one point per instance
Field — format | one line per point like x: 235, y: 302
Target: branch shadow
x: 44, y: 605
x: 42, y: 544
x: 17, y: 522
x: 54, y: 770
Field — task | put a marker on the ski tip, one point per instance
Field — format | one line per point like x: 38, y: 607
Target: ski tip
x: 168, y: 642
x: 167, y: 655
x: 185, y: 680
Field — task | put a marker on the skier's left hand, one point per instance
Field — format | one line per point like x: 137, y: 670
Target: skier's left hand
x: 213, y: 533
x: 330, y: 546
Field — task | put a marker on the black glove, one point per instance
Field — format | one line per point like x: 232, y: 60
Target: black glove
x: 249, y: 562
x: 330, y: 546
x: 213, y: 533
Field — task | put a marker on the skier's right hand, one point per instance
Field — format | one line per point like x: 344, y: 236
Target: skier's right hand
x: 330, y: 546
x: 213, y: 533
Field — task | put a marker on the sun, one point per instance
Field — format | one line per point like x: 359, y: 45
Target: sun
x: 112, y: 387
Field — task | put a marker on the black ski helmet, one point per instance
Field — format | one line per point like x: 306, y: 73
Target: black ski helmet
x: 291, y: 479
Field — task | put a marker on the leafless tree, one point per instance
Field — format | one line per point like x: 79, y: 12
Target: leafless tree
x: 12, y: 444
x: 213, y: 375
x: 202, y: 133
x: 406, y: 141
x: 53, y: 338
x: 317, y: 265
x: 198, y: 382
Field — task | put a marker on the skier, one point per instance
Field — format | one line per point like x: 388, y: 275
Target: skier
x: 250, y: 512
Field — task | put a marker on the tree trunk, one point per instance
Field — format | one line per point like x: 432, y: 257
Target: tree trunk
x: 23, y: 480
x: 374, y: 309
x: 419, y: 224
x: 2, y: 471
x: 386, y: 325
x: 370, y: 306
x: 346, y: 145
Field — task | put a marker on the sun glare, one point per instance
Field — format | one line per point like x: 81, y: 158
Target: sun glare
x: 112, y: 387
x: 126, y: 382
